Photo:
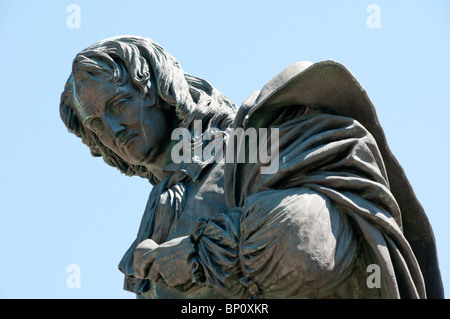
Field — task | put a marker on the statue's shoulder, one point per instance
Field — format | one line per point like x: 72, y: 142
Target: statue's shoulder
x: 327, y: 84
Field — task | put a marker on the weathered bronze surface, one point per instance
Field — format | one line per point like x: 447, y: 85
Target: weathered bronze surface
x: 334, y: 216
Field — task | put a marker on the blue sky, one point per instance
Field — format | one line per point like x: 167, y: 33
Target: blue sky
x: 59, y: 206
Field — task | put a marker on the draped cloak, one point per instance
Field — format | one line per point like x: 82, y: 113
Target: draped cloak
x: 332, y: 142
x: 338, y: 203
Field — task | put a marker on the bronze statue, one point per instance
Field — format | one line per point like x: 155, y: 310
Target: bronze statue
x: 218, y: 223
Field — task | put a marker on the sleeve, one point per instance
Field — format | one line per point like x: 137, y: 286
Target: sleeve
x: 282, y: 243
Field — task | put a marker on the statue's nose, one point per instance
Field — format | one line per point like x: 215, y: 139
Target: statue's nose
x: 114, y: 128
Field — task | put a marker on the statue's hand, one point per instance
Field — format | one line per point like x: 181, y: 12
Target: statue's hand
x: 146, y: 246
x: 168, y: 260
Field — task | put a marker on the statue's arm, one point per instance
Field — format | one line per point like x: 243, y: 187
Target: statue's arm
x: 282, y: 243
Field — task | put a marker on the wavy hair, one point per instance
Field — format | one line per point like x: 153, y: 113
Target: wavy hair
x: 155, y: 73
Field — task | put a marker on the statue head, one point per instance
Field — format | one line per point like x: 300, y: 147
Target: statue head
x: 126, y: 94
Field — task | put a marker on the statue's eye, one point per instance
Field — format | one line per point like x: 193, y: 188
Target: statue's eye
x: 117, y: 107
x: 96, y: 125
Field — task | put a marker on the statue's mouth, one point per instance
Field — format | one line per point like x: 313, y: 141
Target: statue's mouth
x: 123, y: 140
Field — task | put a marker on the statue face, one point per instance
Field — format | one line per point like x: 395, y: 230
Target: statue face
x: 130, y: 126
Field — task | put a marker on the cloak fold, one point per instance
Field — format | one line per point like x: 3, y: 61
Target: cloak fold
x: 332, y: 142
